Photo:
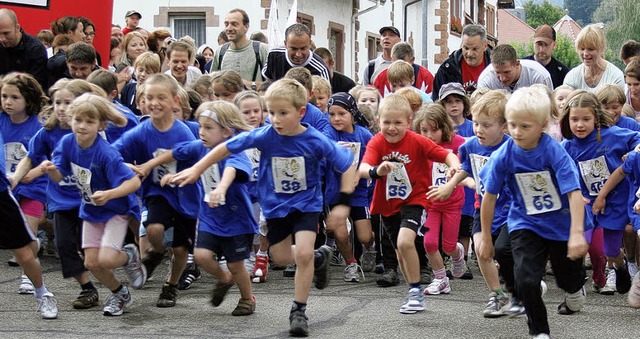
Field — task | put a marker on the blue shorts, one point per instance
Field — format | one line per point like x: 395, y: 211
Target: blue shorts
x: 279, y: 229
x: 233, y: 249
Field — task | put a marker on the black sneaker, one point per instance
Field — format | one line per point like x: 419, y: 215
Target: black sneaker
x: 168, y: 296
x: 321, y: 270
x: 87, y: 299
x: 388, y: 278
x: 467, y: 274
x: 189, y: 276
x: 151, y: 261
x: 623, y: 279
x: 289, y: 271
x: 298, y: 326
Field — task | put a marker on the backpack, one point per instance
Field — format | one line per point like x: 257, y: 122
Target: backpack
x: 256, y: 50
x: 371, y: 68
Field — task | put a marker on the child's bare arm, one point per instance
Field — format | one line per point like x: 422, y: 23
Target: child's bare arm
x: 148, y: 166
x: 616, y: 177
x: 444, y: 192
x: 487, y: 212
x: 217, y: 197
x: 577, y: 246
x: 126, y: 187
x: 192, y: 174
x: 51, y: 169
x: 365, y: 170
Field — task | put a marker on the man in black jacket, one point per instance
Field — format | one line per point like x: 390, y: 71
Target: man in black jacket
x: 19, y: 51
x: 465, y: 64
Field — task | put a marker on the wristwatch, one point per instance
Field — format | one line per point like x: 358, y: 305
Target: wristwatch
x: 253, y: 86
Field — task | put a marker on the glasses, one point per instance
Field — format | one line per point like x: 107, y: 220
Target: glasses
x: 90, y: 34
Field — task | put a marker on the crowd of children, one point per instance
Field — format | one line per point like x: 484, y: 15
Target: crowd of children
x: 227, y: 180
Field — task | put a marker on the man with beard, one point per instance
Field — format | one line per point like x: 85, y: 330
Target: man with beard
x: 544, y: 40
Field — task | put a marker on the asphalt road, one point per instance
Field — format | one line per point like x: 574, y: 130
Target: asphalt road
x: 343, y: 310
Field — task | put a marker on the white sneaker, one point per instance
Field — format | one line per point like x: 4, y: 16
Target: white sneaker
x: 26, y: 286
x: 458, y: 269
x: 48, y: 306
x: 610, y: 286
x: 353, y: 272
x: 414, y: 303
x: 543, y: 288
x: 633, y: 268
x: 438, y: 286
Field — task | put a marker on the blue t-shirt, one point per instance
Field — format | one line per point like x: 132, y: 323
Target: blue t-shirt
x: 314, y: 118
x: 473, y: 157
x: 194, y: 127
x: 114, y: 132
x: 357, y: 142
x: 289, y: 174
x: 465, y: 130
x: 252, y: 185
x: 62, y: 196
x: 628, y: 123
x: 16, y: 145
x: 145, y: 142
x: 97, y: 168
x: 596, y: 161
x: 631, y: 167
x: 539, y: 180
x: 233, y: 218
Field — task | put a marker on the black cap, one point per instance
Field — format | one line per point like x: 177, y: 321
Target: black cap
x: 390, y: 28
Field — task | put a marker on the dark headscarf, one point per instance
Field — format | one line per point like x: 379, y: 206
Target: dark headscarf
x: 346, y: 101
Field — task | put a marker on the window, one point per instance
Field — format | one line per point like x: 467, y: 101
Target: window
x: 307, y: 20
x: 373, y: 46
x: 193, y: 26
x: 336, y: 45
x: 491, y: 20
x: 455, y: 12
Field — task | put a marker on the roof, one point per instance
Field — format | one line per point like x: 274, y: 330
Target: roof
x: 511, y: 28
x: 567, y: 27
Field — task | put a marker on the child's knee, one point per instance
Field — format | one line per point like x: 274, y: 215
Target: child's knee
x: 202, y: 256
x: 405, y: 245
x: 304, y: 256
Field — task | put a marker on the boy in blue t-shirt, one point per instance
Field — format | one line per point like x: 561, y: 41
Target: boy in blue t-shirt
x: 291, y: 187
x: 546, y: 218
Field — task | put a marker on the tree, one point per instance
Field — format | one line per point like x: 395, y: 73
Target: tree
x: 564, y: 52
x: 581, y: 10
x: 543, y: 14
x: 620, y: 25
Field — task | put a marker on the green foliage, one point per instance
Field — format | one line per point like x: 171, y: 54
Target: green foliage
x: 581, y: 10
x: 622, y: 25
x: 564, y: 52
x: 543, y: 14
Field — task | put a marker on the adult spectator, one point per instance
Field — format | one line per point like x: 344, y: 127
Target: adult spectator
x: 422, y: 78
x: 114, y: 53
x: 207, y: 52
x: 629, y: 50
x: 222, y: 38
x: 544, y: 42
x: 465, y: 64
x: 180, y: 55
x: 57, y: 64
x: 339, y: 82
x: 116, y: 32
x: 90, y: 34
x: 389, y: 37
x: 508, y: 73
x: 133, y: 45
x: 259, y: 36
x: 594, y: 70
x: 295, y: 53
x: 132, y: 20
x: 240, y: 54
x: 19, y: 51
x: 81, y: 61
x: 46, y: 37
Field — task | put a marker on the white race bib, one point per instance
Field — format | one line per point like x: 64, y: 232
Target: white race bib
x: 289, y: 174
x: 439, y: 173
x: 594, y: 173
x: 254, y: 159
x: 538, y: 192
x: 398, y: 185
x: 354, y: 147
x: 83, y: 181
x: 477, y: 163
x: 210, y: 180
x: 13, y: 153
x: 164, y: 169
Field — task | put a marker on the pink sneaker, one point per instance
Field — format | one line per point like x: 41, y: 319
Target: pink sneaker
x: 458, y: 268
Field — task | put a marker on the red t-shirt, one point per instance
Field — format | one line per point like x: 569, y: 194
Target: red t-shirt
x: 415, y: 152
x: 423, y: 81
x: 439, y: 176
x: 470, y: 75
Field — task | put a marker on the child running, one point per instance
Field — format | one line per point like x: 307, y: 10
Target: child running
x: 290, y: 193
x: 106, y: 185
x: 443, y: 216
x: 397, y: 157
x: 546, y: 218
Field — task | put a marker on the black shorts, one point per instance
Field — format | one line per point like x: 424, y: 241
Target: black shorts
x: 234, y: 249
x: 160, y: 212
x: 14, y: 230
x: 410, y: 216
x: 356, y: 213
x: 466, y: 226
x: 279, y: 229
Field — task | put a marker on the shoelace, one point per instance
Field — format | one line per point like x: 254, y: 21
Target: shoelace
x: 47, y: 303
x: 357, y: 268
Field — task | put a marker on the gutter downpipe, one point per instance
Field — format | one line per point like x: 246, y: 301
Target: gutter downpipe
x: 424, y: 27
x: 353, y: 35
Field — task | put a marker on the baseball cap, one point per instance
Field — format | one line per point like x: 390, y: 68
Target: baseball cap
x: 132, y: 12
x: 544, y: 32
x: 451, y: 88
x: 390, y: 28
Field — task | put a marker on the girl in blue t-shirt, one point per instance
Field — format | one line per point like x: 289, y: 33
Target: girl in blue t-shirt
x: 598, y: 150
x: 251, y: 107
x: 349, y: 128
x: 223, y: 226
x: 22, y: 100
x: 106, y: 188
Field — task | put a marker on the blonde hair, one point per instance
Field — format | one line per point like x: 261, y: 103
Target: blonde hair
x: 412, y: 95
x: 289, y: 90
x: 96, y: 107
x: 166, y: 81
x: 139, y: 94
x: 230, y: 79
x: 592, y: 36
x: 436, y: 115
x: 227, y: 115
x: 124, y: 57
x: 555, y: 114
x: 492, y: 105
x: 400, y: 70
x: 367, y: 111
x: 149, y: 61
x: 476, y: 95
x: 202, y: 85
x: 610, y: 93
x: 531, y: 100
x: 183, y: 95
x: 76, y: 87
x: 242, y: 96
x: 359, y: 89
x: 628, y: 111
x: 583, y: 99
x: 395, y: 102
x: 321, y: 85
